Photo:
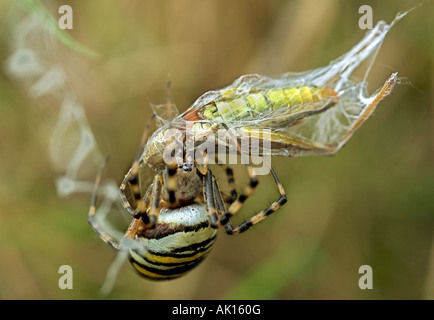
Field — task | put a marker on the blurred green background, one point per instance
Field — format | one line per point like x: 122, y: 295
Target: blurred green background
x: 370, y: 204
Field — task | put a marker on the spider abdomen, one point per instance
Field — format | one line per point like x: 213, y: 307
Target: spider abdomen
x: 181, y: 239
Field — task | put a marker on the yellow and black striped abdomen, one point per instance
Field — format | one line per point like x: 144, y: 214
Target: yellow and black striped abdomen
x: 181, y: 239
x: 261, y: 103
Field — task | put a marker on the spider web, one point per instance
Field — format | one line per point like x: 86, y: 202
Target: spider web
x: 72, y: 148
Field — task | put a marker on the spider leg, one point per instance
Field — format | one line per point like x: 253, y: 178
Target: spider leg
x: 92, y: 210
x: 132, y: 180
x: 237, y: 204
x: 214, y: 201
x: 170, y: 177
x: 229, y: 199
x: 156, y: 199
x: 264, y: 213
x: 248, y: 190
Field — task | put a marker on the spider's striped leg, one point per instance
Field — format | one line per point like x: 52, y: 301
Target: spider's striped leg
x: 253, y: 182
x: 209, y: 193
x: 170, y: 179
x: 156, y: 199
x: 151, y: 200
x: 92, y: 210
x: 132, y: 179
x: 229, y: 199
x: 214, y: 201
x: 264, y: 213
x: 234, y: 207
